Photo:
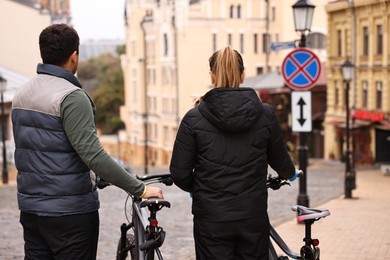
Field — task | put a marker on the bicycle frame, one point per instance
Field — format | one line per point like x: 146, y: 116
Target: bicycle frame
x: 282, y: 245
x: 141, y: 233
x: 147, y: 236
x: 140, y: 223
x: 310, y: 250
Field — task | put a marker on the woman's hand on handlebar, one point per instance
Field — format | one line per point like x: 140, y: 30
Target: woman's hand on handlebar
x: 153, y: 192
x: 298, y: 173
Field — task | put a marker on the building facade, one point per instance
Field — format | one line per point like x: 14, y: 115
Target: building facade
x: 21, y: 22
x: 168, y: 45
x: 359, y: 31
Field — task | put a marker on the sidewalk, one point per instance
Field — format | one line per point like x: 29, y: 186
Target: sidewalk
x: 357, y: 228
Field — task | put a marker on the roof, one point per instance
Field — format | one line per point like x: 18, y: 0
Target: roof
x: 30, y: 3
x: 14, y: 82
x: 264, y: 81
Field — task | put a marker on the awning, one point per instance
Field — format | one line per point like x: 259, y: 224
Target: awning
x: 355, y: 125
x: 273, y: 80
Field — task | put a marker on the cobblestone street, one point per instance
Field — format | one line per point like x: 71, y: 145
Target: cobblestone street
x: 324, y: 178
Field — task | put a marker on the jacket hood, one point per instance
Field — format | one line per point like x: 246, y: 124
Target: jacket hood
x: 231, y: 110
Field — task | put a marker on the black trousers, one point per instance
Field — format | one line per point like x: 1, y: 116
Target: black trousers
x: 60, y: 238
x: 245, y: 239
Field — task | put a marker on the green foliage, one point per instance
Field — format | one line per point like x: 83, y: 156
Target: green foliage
x: 102, y: 78
x: 121, y: 49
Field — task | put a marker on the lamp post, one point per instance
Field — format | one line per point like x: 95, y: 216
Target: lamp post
x: 348, y: 71
x: 145, y: 115
x: 303, y: 15
x: 3, y: 83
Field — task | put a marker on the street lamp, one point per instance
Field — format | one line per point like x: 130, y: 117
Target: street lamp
x: 348, y: 71
x: 303, y: 15
x: 3, y: 84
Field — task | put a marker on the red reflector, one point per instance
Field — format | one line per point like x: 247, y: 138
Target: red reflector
x: 316, y: 242
x: 154, y: 222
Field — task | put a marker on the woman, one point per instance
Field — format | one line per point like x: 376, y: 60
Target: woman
x: 221, y: 155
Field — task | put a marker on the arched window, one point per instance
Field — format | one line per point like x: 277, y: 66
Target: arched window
x: 239, y: 11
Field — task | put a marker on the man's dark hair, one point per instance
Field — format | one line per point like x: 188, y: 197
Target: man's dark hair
x: 57, y: 42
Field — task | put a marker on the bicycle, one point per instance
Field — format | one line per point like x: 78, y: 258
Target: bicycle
x: 142, y: 237
x: 310, y: 249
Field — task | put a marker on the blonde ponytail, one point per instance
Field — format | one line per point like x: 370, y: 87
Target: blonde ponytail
x: 227, y: 66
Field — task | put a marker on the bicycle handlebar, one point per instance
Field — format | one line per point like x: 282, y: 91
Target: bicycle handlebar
x: 276, y: 182
x: 164, y: 178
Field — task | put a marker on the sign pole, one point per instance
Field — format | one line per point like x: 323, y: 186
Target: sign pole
x: 303, y: 198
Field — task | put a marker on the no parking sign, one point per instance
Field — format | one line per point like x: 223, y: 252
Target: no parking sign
x: 301, y: 69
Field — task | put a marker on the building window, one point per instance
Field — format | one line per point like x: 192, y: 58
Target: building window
x: 231, y: 11
x: 229, y: 39
x: 316, y: 41
x: 214, y: 42
x: 165, y: 44
x: 134, y: 85
x: 62, y: 7
x: 155, y: 132
x: 166, y: 75
x: 133, y: 48
x: 365, y: 41
x: 239, y: 11
x: 266, y: 39
x: 165, y: 107
x: 379, y: 38
x: 379, y: 94
x: 255, y: 43
x: 336, y: 93
x: 273, y: 13
x: 365, y: 94
x: 259, y: 70
x: 241, y: 42
x: 339, y: 43
x: 166, y: 135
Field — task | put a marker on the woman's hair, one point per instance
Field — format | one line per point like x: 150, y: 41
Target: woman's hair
x: 227, y: 66
x: 57, y: 42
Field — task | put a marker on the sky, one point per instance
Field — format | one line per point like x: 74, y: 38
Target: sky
x: 98, y: 19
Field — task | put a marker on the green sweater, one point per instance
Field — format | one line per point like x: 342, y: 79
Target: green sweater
x: 79, y: 124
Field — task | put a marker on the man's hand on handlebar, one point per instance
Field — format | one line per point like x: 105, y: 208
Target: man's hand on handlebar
x: 153, y: 192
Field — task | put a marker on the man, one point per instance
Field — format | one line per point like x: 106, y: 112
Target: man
x: 56, y: 146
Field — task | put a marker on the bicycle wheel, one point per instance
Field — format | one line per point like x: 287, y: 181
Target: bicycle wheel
x: 129, y: 252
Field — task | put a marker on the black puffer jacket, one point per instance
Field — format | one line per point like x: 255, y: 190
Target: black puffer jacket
x: 222, y: 151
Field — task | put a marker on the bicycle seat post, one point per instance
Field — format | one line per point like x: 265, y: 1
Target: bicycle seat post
x: 308, y: 240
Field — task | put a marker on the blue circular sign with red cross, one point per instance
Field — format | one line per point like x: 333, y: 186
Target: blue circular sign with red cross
x: 301, y: 69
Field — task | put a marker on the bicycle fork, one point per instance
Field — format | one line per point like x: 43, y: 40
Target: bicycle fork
x: 124, y: 228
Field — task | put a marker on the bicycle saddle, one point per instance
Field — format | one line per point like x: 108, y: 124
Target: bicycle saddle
x: 305, y: 213
x: 154, y: 201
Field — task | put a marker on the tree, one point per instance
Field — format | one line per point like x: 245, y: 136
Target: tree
x: 102, y: 78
